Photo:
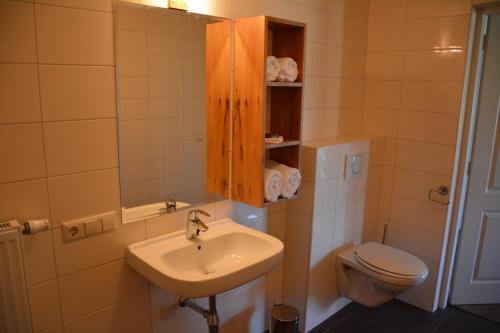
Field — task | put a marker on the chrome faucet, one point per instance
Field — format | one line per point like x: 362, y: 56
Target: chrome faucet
x: 195, y: 224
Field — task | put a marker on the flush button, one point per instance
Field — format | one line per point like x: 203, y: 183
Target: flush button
x: 354, y: 165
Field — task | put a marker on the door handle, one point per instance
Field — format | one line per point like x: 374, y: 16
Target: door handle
x: 443, y: 191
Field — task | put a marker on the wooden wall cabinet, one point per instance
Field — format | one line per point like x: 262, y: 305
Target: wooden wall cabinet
x: 261, y: 106
x: 257, y: 106
x: 219, y: 57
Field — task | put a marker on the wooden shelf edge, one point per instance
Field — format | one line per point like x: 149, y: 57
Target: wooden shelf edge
x: 284, y: 84
x: 277, y: 20
x: 282, y: 144
x: 280, y: 200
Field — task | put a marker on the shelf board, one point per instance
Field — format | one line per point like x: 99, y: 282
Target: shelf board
x: 280, y: 200
x: 282, y: 144
x: 284, y: 84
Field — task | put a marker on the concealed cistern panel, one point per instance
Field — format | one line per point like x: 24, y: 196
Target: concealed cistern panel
x: 355, y: 165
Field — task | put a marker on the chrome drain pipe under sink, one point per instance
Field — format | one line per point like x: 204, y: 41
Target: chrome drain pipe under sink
x: 210, y: 315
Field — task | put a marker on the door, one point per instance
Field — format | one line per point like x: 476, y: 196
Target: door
x: 477, y: 269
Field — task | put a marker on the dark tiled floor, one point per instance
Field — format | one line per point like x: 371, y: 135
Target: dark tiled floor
x: 399, y: 317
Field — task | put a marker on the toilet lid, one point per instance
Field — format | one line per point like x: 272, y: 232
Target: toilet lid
x: 390, y: 259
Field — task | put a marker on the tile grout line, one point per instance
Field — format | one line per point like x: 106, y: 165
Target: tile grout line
x: 54, y: 262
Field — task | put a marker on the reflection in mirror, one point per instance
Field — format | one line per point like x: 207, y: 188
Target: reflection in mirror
x: 162, y: 118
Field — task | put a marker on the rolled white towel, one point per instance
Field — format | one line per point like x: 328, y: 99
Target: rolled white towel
x: 291, y: 178
x: 272, y: 68
x: 288, y: 70
x: 272, y: 184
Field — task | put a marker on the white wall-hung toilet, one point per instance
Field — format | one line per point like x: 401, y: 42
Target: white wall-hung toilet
x: 374, y: 273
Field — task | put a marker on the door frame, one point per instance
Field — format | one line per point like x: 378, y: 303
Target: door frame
x: 465, y: 144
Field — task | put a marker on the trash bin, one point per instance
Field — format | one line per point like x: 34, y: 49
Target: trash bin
x: 284, y: 319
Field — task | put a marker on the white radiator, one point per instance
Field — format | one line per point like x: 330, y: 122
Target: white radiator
x: 14, y: 306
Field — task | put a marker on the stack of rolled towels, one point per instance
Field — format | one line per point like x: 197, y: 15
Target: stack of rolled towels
x: 281, y: 69
x: 280, y: 180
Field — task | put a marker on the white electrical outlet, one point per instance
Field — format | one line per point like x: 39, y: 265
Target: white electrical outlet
x: 89, y: 226
x: 73, y: 230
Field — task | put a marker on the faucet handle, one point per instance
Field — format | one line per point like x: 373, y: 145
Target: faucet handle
x: 193, y: 214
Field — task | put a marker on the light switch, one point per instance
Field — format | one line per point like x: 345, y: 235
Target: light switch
x: 88, y: 226
x: 93, y: 227
x: 108, y: 221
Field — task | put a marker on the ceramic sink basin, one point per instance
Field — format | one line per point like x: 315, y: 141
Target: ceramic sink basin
x: 226, y: 256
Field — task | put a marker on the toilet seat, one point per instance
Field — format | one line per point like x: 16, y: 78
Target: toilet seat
x: 390, y: 262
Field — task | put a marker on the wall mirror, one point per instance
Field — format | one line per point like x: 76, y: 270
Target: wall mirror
x: 161, y: 62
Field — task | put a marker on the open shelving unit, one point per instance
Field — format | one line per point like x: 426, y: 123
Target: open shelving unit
x: 261, y: 106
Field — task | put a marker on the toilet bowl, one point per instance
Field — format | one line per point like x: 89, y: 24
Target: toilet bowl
x: 374, y: 273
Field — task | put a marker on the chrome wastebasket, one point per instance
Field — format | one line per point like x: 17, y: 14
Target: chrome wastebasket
x: 284, y: 319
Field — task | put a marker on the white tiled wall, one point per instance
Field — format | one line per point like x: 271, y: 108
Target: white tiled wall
x: 330, y: 213
x: 415, y: 69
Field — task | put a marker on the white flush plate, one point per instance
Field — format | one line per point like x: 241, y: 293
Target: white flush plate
x: 355, y: 165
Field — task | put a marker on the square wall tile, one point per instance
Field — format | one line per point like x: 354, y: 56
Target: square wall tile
x: 428, y: 127
x: 238, y: 211
x: 323, y: 226
x: 44, y: 304
x: 24, y: 200
x: 386, y: 36
x: 294, y: 286
x: 19, y: 98
x: 384, y: 65
x: 85, y: 194
x: 74, y: 36
x: 131, y: 17
x: 98, y: 249
x: 419, y: 214
x: 328, y: 163
x: 431, y: 8
x: 21, y: 148
x: 427, y: 157
x: 77, y: 92
x: 437, y: 65
x: 79, y: 146
x: 325, y: 195
x: 102, y: 5
x: 382, y: 122
x: 298, y: 228
x: 17, y: 32
x: 382, y: 94
x: 387, y: 10
x: 296, y: 258
x: 416, y: 184
x: 276, y: 224
x: 414, y: 240
x: 95, y: 288
x: 131, y: 315
x: 39, y: 257
x: 442, y: 97
x: 438, y: 33
x: 376, y: 152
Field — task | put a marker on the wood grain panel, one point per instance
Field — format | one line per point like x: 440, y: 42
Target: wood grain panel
x: 286, y: 109
x: 218, y: 103
x: 248, y: 115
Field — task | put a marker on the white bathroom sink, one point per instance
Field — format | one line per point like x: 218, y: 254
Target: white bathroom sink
x: 224, y: 257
